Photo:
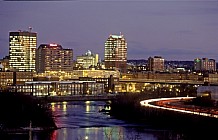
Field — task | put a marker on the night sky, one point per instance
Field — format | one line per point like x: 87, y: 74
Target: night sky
x: 173, y: 29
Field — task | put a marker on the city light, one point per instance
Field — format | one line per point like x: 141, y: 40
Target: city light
x: 53, y: 45
x: 148, y: 102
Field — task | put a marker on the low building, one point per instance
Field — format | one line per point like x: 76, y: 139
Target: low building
x: 76, y: 74
x: 156, y: 64
x: 213, y: 78
x: 88, y: 60
x: 15, y: 78
x: 60, y: 88
x: 204, y: 64
x: 208, y: 91
x: 4, y: 64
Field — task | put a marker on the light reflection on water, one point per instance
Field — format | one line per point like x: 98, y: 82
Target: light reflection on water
x: 83, y: 121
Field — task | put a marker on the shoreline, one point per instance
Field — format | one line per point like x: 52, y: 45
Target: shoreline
x: 133, y: 112
x: 23, y: 113
x: 26, y: 130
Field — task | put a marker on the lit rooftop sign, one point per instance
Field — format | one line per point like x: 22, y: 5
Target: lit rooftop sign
x: 53, y: 45
x: 116, y: 36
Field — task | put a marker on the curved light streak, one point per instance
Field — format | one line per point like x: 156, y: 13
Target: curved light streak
x: 147, y: 103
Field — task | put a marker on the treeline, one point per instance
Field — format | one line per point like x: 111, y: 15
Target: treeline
x: 18, y: 110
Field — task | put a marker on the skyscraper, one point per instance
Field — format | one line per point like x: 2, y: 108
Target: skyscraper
x: 52, y: 57
x: 22, y: 47
x: 115, y: 55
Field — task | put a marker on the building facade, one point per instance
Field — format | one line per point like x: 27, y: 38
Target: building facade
x: 52, y: 57
x: 76, y: 74
x: 156, y: 63
x: 60, y: 88
x: 4, y: 64
x: 22, y: 47
x: 87, y: 60
x: 208, y: 91
x: 115, y: 55
x: 204, y: 64
x: 15, y: 78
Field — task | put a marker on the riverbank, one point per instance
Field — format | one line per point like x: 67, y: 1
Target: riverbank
x: 127, y: 107
x: 23, y: 113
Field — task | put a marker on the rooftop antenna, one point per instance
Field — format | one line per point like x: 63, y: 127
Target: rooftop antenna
x: 30, y: 29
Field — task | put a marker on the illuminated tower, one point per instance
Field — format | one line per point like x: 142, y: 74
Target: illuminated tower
x: 115, y: 55
x: 52, y: 57
x: 22, y: 47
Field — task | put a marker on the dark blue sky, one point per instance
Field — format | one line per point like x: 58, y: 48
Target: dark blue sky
x: 173, y: 29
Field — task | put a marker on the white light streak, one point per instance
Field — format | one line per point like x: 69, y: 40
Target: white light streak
x: 147, y: 103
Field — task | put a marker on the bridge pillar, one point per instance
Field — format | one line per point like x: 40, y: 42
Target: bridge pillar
x: 127, y: 87
x: 130, y: 87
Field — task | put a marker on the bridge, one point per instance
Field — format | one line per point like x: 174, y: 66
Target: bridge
x: 77, y: 98
x: 137, y: 85
x: 191, y: 82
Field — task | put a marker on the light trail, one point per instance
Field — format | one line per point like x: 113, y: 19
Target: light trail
x: 147, y: 103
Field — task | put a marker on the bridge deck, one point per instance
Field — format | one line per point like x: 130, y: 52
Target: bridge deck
x: 77, y: 98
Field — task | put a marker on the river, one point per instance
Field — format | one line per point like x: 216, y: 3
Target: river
x: 81, y: 120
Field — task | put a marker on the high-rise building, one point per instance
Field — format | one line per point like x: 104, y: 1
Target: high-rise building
x: 87, y: 60
x: 22, y: 47
x: 52, y: 57
x: 115, y: 55
x: 204, y: 64
x: 197, y: 64
x: 156, y: 64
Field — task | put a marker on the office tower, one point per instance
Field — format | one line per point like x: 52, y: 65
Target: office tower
x: 156, y: 64
x: 87, y: 60
x: 208, y: 64
x: 52, y: 57
x: 22, y: 47
x: 115, y: 55
x: 204, y: 64
x: 197, y: 64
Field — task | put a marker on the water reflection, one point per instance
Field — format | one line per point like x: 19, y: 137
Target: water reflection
x: 64, y: 104
x: 83, y: 121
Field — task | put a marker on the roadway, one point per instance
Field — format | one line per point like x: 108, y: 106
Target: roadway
x: 177, y: 104
x: 143, y: 80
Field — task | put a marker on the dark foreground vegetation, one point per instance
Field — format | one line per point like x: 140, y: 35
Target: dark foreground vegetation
x: 19, y: 111
x: 127, y: 107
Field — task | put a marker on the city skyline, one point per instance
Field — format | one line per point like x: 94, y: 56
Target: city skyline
x: 174, y: 30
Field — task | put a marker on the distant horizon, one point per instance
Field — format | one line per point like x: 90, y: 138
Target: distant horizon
x: 176, y: 30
